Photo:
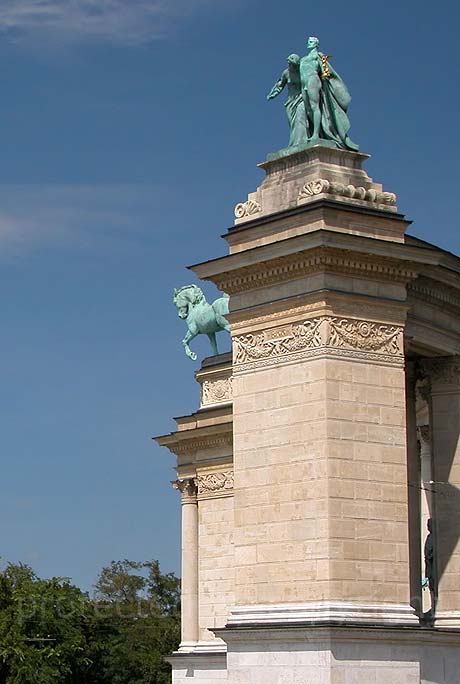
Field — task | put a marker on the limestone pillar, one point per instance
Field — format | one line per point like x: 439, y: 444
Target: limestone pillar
x: 189, y: 609
x: 413, y: 493
x: 426, y: 504
x: 445, y: 405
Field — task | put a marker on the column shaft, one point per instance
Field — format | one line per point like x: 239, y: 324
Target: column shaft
x: 189, y: 593
x: 445, y: 401
x: 413, y: 478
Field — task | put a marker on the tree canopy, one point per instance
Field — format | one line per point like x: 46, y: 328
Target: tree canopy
x: 52, y: 632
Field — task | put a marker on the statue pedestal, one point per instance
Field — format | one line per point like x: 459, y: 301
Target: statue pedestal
x: 330, y: 303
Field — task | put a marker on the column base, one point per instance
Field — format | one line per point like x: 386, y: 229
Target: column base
x: 206, y: 664
x: 325, y: 612
x: 447, y: 620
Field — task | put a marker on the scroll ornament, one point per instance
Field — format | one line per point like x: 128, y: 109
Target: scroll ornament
x: 248, y: 208
x: 321, y: 185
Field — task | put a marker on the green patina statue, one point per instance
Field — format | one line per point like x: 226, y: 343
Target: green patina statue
x: 317, y: 102
x: 201, y: 317
x: 295, y: 107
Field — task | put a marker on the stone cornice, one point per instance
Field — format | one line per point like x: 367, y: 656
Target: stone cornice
x: 322, y: 203
x: 432, y: 292
x: 313, y: 261
x: 318, y: 303
x: 198, y: 439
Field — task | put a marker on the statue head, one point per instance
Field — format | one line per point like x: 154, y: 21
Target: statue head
x: 293, y: 60
x: 186, y: 297
x: 312, y: 42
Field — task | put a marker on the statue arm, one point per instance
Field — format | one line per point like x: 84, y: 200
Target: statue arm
x: 278, y: 87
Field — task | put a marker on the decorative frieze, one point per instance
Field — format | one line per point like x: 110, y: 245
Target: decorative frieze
x: 215, y: 484
x: 248, y: 208
x: 438, y: 294
x: 338, y: 336
x: 365, y: 335
x: 321, y: 185
x: 216, y: 391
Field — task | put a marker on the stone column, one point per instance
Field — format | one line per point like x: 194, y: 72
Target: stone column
x: 413, y: 494
x: 445, y: 404
x: 426, y: 476
x: 189, y: 591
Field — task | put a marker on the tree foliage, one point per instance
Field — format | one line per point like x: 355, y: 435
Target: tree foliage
x: 51, y: 632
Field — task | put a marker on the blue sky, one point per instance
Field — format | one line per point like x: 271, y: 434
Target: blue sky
x: 128, y: 131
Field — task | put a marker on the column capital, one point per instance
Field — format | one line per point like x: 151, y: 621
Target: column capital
x: 188, y: 489
x: 442, y: 371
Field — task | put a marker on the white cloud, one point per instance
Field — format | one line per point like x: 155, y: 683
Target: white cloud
x: 121, y: 21
x: 96, y: 217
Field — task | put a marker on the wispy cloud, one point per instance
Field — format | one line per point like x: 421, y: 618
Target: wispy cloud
x: 33, y: 218
x: 121, y: 21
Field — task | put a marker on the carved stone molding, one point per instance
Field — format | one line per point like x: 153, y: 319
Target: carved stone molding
x: 216, y: 391
x: 432, y: 292
x: 314, y: 261
x: 188, y: 489
x: 215, y: 484
x: 248, y: 208
x: 365, y: 335
x: 344, y: 337
x: 321, y: 185
x: 197, y: 444
x: 443, y: 371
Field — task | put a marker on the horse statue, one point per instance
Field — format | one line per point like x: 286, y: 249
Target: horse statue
x: 201, y: 317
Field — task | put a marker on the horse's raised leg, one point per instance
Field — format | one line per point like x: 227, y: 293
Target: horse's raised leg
x: 212, y: 339
x: 188, y: 338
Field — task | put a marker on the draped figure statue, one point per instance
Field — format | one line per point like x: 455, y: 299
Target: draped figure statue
x: 295, y: 107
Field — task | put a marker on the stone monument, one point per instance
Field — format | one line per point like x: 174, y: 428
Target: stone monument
x: 329, y: 437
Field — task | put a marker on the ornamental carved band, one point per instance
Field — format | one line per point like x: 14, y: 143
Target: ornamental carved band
x: 344, y: 337
x: 216, y: 391
x: 215, y: 483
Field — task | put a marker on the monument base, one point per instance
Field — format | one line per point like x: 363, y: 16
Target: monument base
x: 287, y: 151
x: 340, y: 655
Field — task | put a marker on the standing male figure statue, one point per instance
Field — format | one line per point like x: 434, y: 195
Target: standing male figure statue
x: 326, y: 100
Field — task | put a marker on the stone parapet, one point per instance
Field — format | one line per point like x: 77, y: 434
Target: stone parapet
x: 215, y: 378
x: 315, y: 173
